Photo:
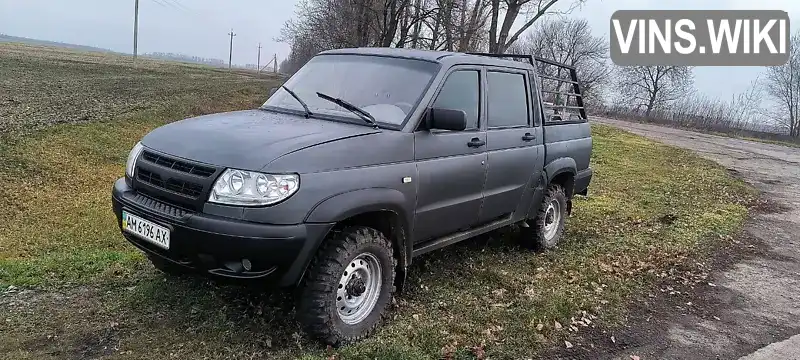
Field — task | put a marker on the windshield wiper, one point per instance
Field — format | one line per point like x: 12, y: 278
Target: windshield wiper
x: 308, y: 113
x: 363, y: 114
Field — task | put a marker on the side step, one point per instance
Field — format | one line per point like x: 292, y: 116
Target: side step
x: 441, y: 242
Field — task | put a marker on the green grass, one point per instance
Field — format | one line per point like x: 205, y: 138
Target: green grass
x: 652, y: 208
x: 54, y: 218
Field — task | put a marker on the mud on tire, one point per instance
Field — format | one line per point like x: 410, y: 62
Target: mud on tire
x: 324, y: 307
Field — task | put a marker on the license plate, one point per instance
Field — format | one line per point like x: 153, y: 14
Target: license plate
x: 146, y: 230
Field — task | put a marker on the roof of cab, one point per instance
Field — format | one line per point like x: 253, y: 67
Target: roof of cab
x: 428, y: 55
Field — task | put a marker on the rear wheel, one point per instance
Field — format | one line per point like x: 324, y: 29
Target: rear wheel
x: 348, y: 286
x: 545, y: 231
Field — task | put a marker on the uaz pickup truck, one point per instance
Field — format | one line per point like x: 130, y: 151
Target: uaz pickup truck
x: 361, y: 161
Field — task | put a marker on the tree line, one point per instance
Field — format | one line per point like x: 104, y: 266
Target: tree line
x: 652, y: 93
x: 768, y: 108
x: 448, y: 25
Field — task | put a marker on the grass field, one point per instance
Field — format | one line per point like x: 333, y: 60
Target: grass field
x: 77, y: 290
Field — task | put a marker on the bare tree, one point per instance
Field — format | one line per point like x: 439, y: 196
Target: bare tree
x: 329, y: 24
x: 304, y: 47
x: 741, y: 115
x: 348, y: 23
x: 473, y: 20
x: 782, y: 84
x: 452, y: 25
x: 500, y: 37
x: 653, y: 87
x: 570, y: 41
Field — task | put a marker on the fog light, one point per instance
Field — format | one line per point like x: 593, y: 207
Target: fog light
x: 246, y: 264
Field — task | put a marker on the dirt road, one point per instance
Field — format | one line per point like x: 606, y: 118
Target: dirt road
x: 751, y: 306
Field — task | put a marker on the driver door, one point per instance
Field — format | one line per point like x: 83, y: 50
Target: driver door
x: 451, y: 165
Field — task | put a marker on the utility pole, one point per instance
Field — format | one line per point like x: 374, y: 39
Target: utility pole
x: 230, y: 56
x: 258, y: 66
x: 135, y: 29
x: 275, y: 63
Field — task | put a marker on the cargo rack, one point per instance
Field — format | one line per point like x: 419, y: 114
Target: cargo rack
x: 552, y: 96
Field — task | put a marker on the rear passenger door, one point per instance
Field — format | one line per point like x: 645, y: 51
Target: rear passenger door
x: 513, y: 143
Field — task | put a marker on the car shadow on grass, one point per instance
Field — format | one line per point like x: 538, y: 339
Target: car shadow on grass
x: 241, y: 315
x: 253, y: 317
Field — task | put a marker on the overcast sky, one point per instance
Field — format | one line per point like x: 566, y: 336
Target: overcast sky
x: 200, y: 27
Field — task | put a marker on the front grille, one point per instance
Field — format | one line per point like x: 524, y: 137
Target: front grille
x: 150, y: 178
x: 177, y: 165
x: 159, y: 206
x: 184, y: 187
x: 179, y: 186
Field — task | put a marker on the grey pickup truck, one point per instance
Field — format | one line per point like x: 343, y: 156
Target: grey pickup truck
x: 363, y: 160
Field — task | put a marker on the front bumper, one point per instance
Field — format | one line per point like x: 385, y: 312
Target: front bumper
x: 216, y: 245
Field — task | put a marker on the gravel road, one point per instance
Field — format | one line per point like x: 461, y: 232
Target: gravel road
x: 754, y: 306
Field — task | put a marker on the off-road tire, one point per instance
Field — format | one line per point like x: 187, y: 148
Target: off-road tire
x: 535, y: 236
x: 316, y: 298
x: 166, y: 267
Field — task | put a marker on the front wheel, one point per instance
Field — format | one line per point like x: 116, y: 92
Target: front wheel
x: 545, y: 231
x: 348, y: 286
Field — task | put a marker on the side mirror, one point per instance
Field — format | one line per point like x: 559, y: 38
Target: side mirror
x: 272, y: 91
x: 447, y: 119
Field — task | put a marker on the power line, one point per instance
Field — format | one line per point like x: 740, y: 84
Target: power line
x: 174, y: 5
x: 230, y: 56
x: 273, y: 62
x: 178, y: 4
x: 135, y: 29
x: 171, y: 5
x: 258, y: 65
x: 196, y: 15
x: 159, y: 3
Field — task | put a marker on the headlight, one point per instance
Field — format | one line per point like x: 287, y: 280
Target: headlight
x: 250, y: 188
x: 134, y: 154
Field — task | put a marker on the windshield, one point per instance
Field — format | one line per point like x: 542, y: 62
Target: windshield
x: 387, y: 88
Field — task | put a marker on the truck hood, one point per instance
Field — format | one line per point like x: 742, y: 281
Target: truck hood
x: 246, y: 140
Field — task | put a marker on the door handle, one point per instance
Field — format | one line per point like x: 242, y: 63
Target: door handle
x: 528, y: 137
x: 476, y: 143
